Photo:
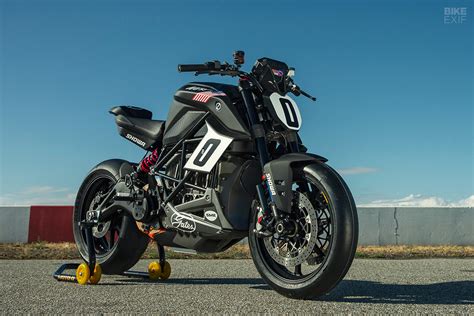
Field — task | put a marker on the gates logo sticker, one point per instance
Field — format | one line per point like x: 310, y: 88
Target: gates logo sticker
x: 210, y: 215
x: 183, y: 222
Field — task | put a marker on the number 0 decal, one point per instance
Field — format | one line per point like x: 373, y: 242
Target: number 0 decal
x: 286, y: 110
x: 208, y: 151
x: 290, y: 113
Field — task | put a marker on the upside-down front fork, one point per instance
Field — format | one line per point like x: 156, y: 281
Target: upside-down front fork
x: 268, y: 215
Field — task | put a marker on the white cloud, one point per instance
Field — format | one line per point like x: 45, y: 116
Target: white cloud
x: 356, y: 170
x: 39, y: 195
x: 418, y: 200
x: 43, y: 190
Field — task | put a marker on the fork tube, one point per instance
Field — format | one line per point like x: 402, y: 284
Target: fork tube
x: 258, y: 132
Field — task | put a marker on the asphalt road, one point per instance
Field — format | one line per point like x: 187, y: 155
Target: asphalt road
x: 234, y: 286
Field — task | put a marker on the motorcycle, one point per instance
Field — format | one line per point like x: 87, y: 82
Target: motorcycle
x: 227, y: 164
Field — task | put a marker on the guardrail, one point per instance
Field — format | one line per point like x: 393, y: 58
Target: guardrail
x: 377, y: 225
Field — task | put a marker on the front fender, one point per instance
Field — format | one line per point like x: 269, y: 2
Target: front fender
x: 279, y: 176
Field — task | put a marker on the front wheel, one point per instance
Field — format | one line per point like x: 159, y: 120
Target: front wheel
x: 311, y: 260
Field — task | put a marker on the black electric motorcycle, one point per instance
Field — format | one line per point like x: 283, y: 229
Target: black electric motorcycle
x: 226, y: 164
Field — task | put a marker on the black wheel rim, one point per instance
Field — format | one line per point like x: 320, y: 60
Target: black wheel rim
x: 325, y: 219
x: 95, y: 193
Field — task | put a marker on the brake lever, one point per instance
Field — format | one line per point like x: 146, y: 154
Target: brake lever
x: 207, y: 72
x: 297, y: 91
x: 232, y: 73
x: 308, y: 96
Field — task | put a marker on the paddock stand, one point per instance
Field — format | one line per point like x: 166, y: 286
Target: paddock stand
x: 92, y: 272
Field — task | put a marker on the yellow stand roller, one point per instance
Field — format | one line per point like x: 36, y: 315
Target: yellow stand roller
x: 83, y: 274
x: 155, y: 272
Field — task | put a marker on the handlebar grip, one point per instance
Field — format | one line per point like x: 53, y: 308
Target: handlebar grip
x: 193, y: 67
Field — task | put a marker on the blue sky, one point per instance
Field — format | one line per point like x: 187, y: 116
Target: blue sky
x: 394, y: 86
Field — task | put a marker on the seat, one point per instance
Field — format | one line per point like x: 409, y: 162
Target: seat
x: 150, y: 128
x: 136, y: 125
x: 131, y: 111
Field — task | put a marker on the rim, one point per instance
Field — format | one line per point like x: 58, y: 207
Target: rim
x: 323, y: 227
x: 105, y: 234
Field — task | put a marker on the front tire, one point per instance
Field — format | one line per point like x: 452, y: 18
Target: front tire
x: 334, y: 257
x: 122, y: 244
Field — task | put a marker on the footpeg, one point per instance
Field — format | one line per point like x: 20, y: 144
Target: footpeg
x: 124, y: 196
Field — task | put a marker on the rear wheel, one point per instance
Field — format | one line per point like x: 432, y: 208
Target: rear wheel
x: 315, y: 256
x: 118, y: 243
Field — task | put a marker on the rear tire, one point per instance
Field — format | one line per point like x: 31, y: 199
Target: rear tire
x: 340, y: 250
x: 126, y: 243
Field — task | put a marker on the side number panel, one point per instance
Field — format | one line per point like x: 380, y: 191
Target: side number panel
x: 286, y: 110
x: 208, y: 151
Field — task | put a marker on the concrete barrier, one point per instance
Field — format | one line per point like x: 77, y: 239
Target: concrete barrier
x: 14, y: 223
x: 377, y: 225
x: 420, y: 226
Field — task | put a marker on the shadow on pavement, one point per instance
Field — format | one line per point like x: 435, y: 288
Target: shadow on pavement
x: 199, y: 281
x: 358, y: 291
x: 355, y: 291
x: 455, y: 292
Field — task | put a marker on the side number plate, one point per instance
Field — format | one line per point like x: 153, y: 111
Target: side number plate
x: 208, y: 151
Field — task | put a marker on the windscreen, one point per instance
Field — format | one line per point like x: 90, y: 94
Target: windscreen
x: 271, y: 74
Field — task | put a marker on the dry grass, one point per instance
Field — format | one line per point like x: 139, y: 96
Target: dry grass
x: 412, y: 252
x: 39, y: 250
x: 43, y: 250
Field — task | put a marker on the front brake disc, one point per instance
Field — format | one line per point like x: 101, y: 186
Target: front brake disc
x: 293, y: 251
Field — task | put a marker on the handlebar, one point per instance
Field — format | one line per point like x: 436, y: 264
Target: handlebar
x: 209, y: 66
x: 224, y: 69
x: 194, y: 67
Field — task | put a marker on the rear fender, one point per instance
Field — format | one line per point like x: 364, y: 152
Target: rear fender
x: 279, y: 176
x: 118, y: 167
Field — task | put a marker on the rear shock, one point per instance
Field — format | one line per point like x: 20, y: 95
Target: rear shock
x: 149, y: 161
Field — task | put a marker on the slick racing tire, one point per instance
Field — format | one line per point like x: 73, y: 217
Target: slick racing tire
x: 324, y: 252
x: 118, y: 243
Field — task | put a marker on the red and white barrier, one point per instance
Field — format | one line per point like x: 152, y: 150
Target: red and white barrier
x: 35, y: 223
